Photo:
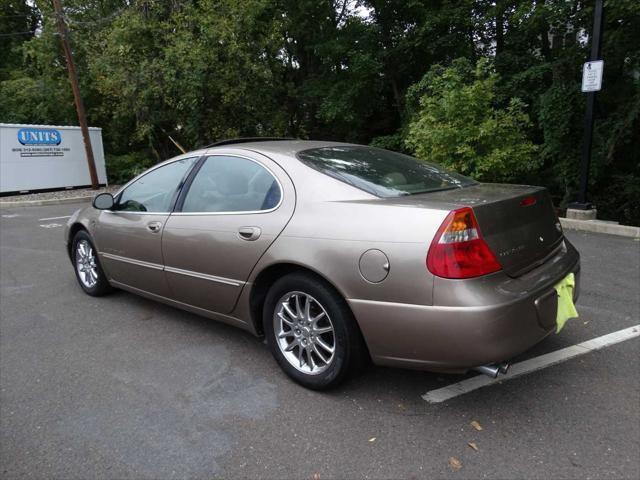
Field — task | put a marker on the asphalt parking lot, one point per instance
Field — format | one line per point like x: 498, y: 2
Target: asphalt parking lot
x: 122, y: 387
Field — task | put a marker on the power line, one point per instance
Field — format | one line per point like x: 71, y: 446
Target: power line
x: 104, y: 19
x: 30, y: 32
x: 69, y: 18
x: 18, y: 16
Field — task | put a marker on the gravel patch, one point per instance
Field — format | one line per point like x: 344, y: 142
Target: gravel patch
x: 59, y: 194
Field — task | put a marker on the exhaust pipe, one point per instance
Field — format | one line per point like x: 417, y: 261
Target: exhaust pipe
x: 488, y: 370
x: 493, y: 370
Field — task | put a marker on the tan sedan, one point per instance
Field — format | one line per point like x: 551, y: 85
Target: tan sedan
x: 337, y: 253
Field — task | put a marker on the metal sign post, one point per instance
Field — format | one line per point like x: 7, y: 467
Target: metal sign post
x: 591, y: 83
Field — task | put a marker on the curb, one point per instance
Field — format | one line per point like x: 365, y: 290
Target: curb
x: 599, y: 226
x: 37, y: 203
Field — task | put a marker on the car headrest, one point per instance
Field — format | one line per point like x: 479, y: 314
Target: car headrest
x: 395, y: 178
x: 235, y: 183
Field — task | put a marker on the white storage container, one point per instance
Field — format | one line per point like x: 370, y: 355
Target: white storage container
x: 39, y: 157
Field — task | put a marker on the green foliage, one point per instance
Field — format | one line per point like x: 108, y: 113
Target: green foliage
x: 393, y: 142
x: 458, y: 124
x: 28, y: 100
x: 561, y: 124
x: 17, y: 20
x: 122, y: 168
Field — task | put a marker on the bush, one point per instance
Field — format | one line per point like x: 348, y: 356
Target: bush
x: 393, y: 142
x: 455, y: 121
x: 122, y: 168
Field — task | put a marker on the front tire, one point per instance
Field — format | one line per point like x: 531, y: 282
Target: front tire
x: 311, y: 331
x: 89, y: 273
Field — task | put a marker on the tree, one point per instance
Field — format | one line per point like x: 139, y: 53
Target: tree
x: 18, y: 22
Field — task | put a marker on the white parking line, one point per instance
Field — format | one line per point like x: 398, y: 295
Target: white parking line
x: 532, y: 365
x: 54, y: 218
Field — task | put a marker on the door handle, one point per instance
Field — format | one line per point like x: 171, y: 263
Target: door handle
x: 154, y: 227
x: 249, y: 233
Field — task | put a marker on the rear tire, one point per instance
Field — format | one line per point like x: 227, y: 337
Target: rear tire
x: 311, y: 332
x: 86, y: 265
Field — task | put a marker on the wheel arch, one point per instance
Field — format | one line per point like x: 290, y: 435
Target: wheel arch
x: 271, y: 274
x: 73, y: 230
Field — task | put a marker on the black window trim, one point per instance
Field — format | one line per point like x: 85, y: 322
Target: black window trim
x: 172, y: 204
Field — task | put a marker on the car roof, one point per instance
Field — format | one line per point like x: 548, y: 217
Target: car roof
x: 286, y: 147
x: 282, y: 148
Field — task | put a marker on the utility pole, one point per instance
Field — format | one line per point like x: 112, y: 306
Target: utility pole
x: 596, y: 42
x: 73, y: 78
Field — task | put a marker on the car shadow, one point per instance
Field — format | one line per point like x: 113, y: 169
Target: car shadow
x: 397, y: 389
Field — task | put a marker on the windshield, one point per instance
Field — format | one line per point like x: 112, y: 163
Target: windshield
x: 381, y: 172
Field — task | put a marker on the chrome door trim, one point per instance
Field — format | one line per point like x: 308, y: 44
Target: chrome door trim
x: 140, y: 263
x: 120, y: 212
x: 179, y: 271
x: 247, y: 212
x: 204, y: 276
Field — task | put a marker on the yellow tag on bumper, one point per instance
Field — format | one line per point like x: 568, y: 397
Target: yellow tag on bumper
x: 566, y: 308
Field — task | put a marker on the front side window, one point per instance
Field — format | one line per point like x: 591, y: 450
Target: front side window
x: 155, y: 191
x: 232, y: 184
x: 381, y: 172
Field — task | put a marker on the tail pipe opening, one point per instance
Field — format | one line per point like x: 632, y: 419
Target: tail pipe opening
x: 493, y: 370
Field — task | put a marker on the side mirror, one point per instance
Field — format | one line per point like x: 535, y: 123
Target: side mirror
x: 103, y: 201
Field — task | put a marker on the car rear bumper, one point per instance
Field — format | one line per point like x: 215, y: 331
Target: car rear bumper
x: 477, y: 322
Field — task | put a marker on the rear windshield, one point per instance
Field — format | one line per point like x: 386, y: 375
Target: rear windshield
x: 381, y: 172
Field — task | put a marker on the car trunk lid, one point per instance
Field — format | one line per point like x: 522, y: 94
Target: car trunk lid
x: 522, y: 229
x: 518, y: 222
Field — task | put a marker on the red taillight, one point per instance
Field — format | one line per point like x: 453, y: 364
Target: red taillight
x: 458, y: 249
x: 528, y: 201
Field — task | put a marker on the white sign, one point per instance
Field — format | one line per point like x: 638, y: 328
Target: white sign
x: 35, y: 157
x: 592, y: 76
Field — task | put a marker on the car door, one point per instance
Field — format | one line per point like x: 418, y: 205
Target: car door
x: 227, y: 215
x: 129, y: 237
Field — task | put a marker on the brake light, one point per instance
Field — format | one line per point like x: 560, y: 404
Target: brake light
x: 458, y: 249
x: 528, y: 201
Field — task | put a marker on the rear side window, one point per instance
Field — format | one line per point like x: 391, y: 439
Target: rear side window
x: 381, y: 172
x: 232, y: 184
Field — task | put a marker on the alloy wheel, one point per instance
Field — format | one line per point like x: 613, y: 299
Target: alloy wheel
x: 86, y: 264
x: 304, y: 333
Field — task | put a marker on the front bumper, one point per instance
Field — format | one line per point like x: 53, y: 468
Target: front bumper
x: 477, y: 322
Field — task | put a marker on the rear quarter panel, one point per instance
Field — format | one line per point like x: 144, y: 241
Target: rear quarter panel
x: 330, y: 237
